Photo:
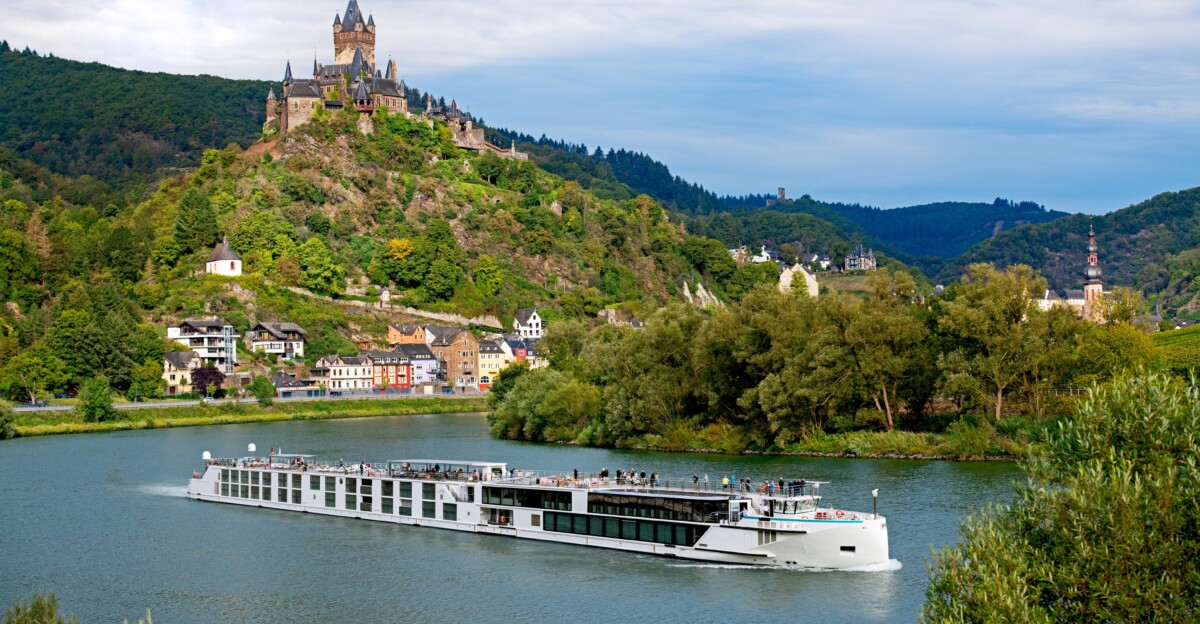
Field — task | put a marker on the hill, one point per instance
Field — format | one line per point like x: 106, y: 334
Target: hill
x: 1150, y: 246
x: 90, y: 119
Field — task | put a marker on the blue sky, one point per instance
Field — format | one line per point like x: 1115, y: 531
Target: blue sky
x: 1084, y: 106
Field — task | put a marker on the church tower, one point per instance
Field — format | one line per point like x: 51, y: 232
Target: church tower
x: 351, y: 31
x: 1093, y: 288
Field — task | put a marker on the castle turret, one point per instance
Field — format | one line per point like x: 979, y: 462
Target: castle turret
x: 351, y: 33
x: 272, y: 105
x: 357, y: 64
x: 1093, y: 287
x: 287, y: 74
x: 390, y: 74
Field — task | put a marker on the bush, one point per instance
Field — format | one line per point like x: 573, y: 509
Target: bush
x: 1107, y: 528
x: 6, y: 423
x: 968, y: 441
x: 95, y: 400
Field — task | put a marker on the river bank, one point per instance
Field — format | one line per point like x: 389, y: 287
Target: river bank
x: 29, y: 424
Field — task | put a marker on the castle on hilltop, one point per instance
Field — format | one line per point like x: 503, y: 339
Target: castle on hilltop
x: 353, y: 81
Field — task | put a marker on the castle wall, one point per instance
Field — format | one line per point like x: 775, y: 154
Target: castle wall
x: 297, y: 111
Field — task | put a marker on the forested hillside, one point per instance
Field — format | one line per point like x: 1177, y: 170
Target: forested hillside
x: 944, y: 229
x: 1150, y: 246
x: 324, y: 208
x: 91, y: 119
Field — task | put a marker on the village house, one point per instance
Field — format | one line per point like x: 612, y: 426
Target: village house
x: 527, y: 323
x: 514, y: 348
x: 457, y: 349
x: 406, y: 334
x: 339, y: 373
x: 223, y: 260
x: 288, y: 385
x: 285, y: 340
x: 820, y: 260
x: 798, y: 276
x: 177, y: 371
x: 424, y: 367
x: 390, y: 369
x: 214, y: 341
x: 491, y: 361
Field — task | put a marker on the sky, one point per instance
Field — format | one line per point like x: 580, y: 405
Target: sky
x: 1082, y: 106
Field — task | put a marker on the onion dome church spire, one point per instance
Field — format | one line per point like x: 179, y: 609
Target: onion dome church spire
x: 1093, y: 287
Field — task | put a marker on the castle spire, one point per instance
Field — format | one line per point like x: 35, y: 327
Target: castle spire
x: 357, y: 65
x: 287, y: 73
x: 271, y: 94
x: 337, y: 19
x: 1093, y: 287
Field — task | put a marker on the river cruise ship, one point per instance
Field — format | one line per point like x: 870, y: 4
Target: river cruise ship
x: 776, y: 523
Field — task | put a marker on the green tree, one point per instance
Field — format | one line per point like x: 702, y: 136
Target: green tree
x: 505, y: 381
x: 489, y: 277
x: 33, y: 372
x: 991, y: 312
x: 320, y: 273
x: 95, y: 400
x: 443, y: 279
x: 147, y: 381
x: 262, y: 389
x: 75, y: 339
x: 195, y: 222
x: 1107, y: 529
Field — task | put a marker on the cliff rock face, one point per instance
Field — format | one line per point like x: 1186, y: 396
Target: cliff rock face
x: 702, y: 298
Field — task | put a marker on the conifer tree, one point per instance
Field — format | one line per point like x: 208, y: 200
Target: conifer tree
x: 196, y: 222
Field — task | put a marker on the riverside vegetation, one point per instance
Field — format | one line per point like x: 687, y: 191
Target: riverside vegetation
x: 981, y: 366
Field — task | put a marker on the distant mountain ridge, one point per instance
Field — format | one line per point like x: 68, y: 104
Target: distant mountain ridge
x: 1149, y: 245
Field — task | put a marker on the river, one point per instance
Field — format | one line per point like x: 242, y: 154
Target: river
x: 101, y: 520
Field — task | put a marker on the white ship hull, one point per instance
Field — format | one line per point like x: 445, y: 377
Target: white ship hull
x: 838, y: 540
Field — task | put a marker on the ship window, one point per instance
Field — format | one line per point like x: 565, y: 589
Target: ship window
x: 387, y: 505
x: 245, y: 476
x: 388, y: 487
x: 330, y: 499
x: 366, y: 487
x: 295, y: 496
x: 254, y: 478
x: 628, y: 529
x: 612, y: 527
x: 351, y: 501
x: 405, y: 489
x: 405, y: 508
x: 254, y: 491
x: 507, y: 497
x: 428, y: 491
x: 449, y: 511
x: 596, y: 526
x: 580, y: 525
x: 681, y: 535
x: 225, y: 476
x: 365, y: 503
x: 535, y: 520
x: 224, y: 489
x: 663, y: 534
x: 282, y: 493
x: 428, y: 509
x: 351, y: 485
x: 245, y: 491
x: 314, y: 482
x: 329, y: 484
x: 848, y: 549
x: 296, y: 481
x: 646, y: 531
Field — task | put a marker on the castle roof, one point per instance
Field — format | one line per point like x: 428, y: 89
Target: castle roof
x: 223, y: 252
x: 390, y: 74
x: 337, y: 19
x: 271, y: 93
x: 358, y: 65
x: 383, y: 86
x: 304, y: 89
x: 353, y: 16
x: 360, y: 91
x: 287, y: 73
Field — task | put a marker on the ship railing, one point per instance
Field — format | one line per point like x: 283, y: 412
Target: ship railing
x: 791, y: 490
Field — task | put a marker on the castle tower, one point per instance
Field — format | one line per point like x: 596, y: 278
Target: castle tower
x: 1093, y: 288
x: 272, y: 105
x: 350, y: 32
